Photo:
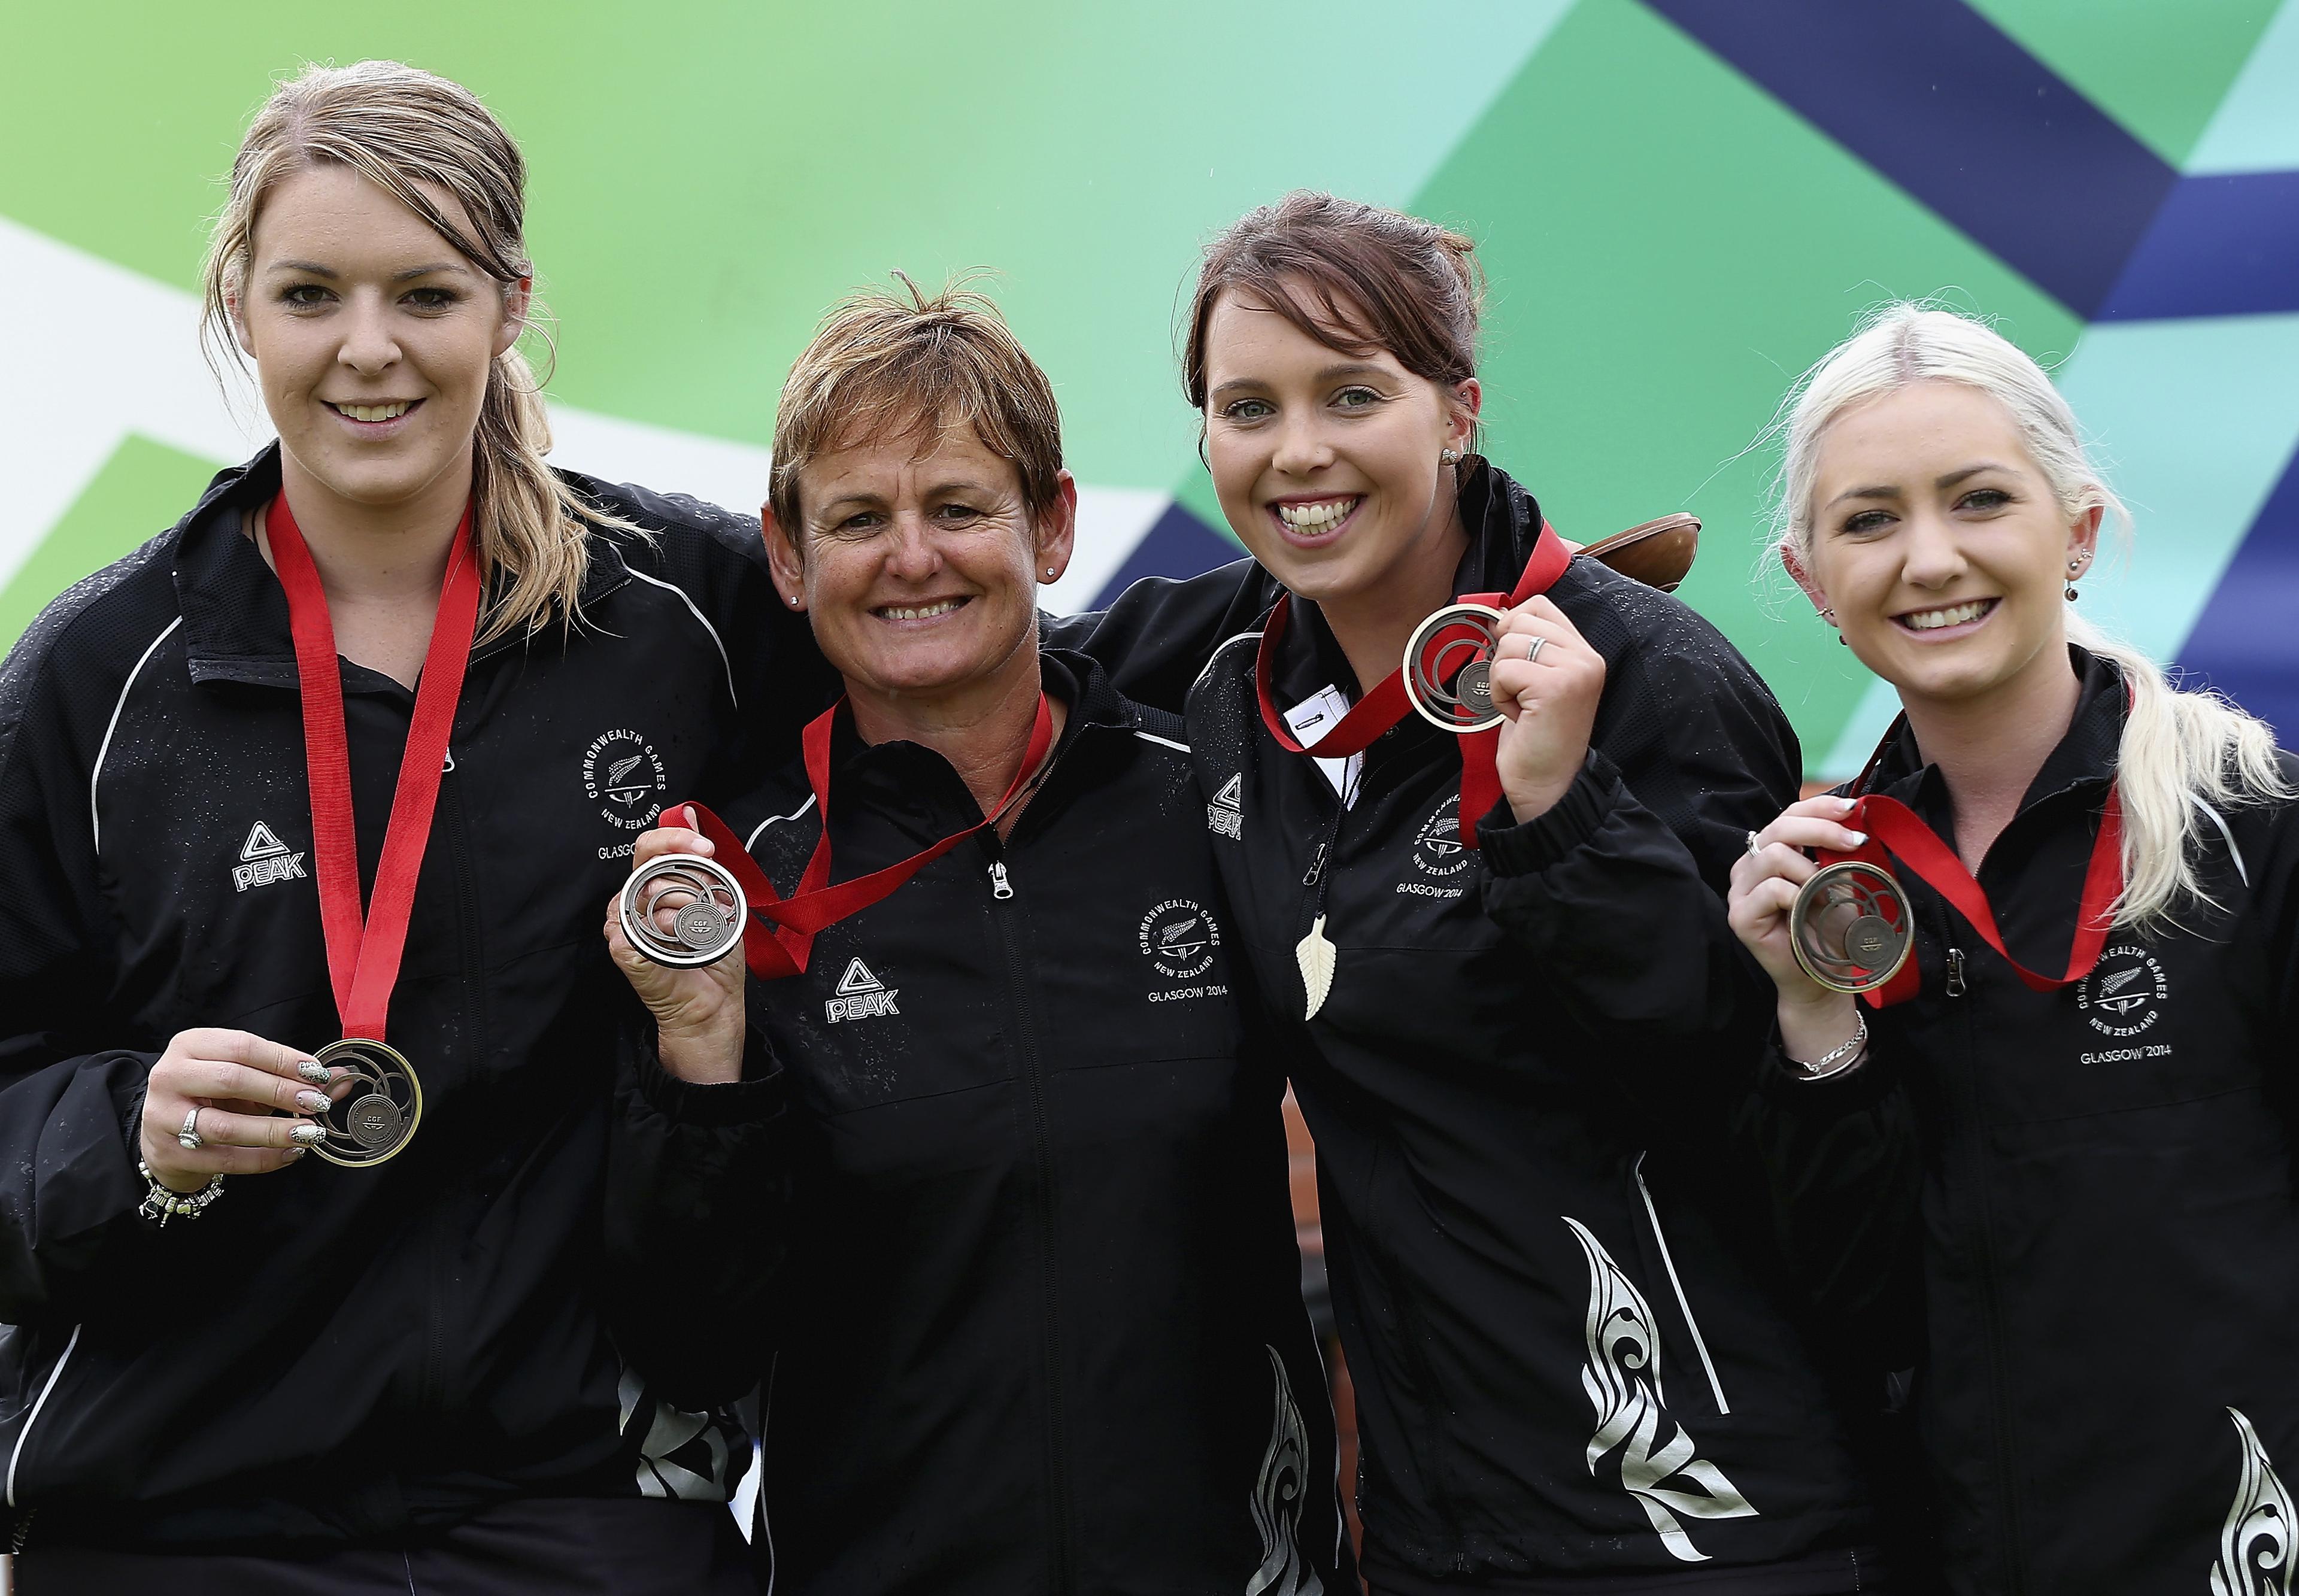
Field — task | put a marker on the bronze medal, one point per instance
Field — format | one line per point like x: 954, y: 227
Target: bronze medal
x: 1449, y: 672
x: 1851, y: 929
x: 378, y: 1114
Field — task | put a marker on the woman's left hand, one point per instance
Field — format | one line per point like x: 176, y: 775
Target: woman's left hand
x: 699, y: 1013
x: 1550, y: 701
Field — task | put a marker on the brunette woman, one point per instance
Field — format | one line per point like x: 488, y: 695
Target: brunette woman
x: 351, y: 752
x: 1502, y: 964
x: 2080, y: 1082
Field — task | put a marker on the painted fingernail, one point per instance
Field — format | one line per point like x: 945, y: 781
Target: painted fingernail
x: 296, y: 1152
x: 312, y: 1102
x: 309, y: 1134
x: 1859, y: 839
x: 312, y: 1070
x: 1845, y: 803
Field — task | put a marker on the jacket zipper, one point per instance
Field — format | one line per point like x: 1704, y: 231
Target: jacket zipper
x: 1683, y: 1303
x: 23, y: 1527
x: 444, y: 1239
x: 1061, y: 1554
x: 1955, y: 972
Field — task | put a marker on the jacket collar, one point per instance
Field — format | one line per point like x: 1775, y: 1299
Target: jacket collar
x: 1502, y: 520
x: 2084, y: 756
x: 235, y: 624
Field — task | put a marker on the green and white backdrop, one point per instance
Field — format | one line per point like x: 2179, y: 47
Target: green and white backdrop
x: 1681, y: 204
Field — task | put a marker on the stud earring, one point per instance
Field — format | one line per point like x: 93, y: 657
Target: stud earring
x: 1049, y: 573
x: 793, y: 601
x: 1448, y: 457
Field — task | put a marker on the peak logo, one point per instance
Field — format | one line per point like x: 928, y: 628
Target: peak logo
x: 1226, y: 815
x: 2123, y: 995
x: 264, y: 858
x: 861, y: 995
x: 624, y: 775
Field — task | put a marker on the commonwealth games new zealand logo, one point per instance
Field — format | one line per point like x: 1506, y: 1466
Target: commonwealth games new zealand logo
x: 2124, y: 993
x: 624, y: 775
x: 1180, y: 938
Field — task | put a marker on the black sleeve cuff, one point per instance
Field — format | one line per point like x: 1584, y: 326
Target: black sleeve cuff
x: 754, y: 1099
x: 1547, y: 839
x: 1847, y: 1091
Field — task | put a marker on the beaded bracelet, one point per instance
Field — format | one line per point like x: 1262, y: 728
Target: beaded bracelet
x: 1837, y: 1059
x: 163, y: 1203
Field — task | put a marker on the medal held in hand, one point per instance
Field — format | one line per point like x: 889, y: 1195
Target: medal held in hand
x: 1449, y: 667
x: 1851, y: 927
x: 377, y: 1115
x: 683, y: 910
x: 378, y: 1101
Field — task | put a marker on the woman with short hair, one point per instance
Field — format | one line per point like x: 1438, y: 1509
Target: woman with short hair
x: 1492, y: 935
x: 307, y: 1098
x: 2050, y: 1159
x: 1040, y: 1324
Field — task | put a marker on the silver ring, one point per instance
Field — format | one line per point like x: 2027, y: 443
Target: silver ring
x: 188, y: 1138
x: 1754, y: 845
x: 1532, y: 650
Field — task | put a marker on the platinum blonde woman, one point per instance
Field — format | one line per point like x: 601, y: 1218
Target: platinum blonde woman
x: 2050, y: 1160
x: 308, y: 1107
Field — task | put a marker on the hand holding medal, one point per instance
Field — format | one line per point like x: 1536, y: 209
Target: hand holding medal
x: 675, y: 930
x: 1774, y: 900
x: 1545, y: 682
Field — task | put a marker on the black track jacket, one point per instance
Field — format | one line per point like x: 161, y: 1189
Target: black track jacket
x: 1571, y: 1354
x: 1039, y: 1328
x: 2095, y: 1190
x: 334, y: 1353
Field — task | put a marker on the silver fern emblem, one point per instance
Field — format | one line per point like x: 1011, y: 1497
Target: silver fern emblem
x: 2117, y: 983
x: 2255, y: 1543
x: 1277, y: 1497
x: 1622, y: 1380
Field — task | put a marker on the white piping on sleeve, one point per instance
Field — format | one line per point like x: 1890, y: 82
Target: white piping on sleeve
x: 1163, y: 742
x: 1684, y: 1307
x: 1212, y: 659
x: 707, y: 627
x: 2228, y: 832
x: 33, y: 1418
x: 96, y: 822
x: 751, y: 841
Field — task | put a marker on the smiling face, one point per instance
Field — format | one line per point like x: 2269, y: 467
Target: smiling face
x: 372, y: 339
x: 1939, y: 543
x: 1327, y: 464
x: 919, y: 570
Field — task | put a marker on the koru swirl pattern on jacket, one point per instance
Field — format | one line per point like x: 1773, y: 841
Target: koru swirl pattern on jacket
x: 2255, y: 1543
x: 1622, y: 1380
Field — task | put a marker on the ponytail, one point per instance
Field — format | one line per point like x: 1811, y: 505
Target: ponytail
x: 2186, y: 758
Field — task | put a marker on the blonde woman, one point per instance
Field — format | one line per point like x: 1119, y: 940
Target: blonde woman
x: 305, y: 811
x: 2066, y: 1120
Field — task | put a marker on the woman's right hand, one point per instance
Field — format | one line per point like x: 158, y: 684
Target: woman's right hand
x: 241, y: 1085
x: 699, y: 1013
x: 1765, y: 882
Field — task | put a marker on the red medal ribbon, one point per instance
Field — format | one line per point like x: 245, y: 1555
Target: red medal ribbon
x: 1891, y: 825
x: 363, y: 950
x: 783, y: 947
x: 1387, y: 704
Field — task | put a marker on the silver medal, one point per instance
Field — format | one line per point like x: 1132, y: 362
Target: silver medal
x: 376, y: 1105
x: 1449, y: 671
x: 1850, y: 928
x: 683, y: 910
